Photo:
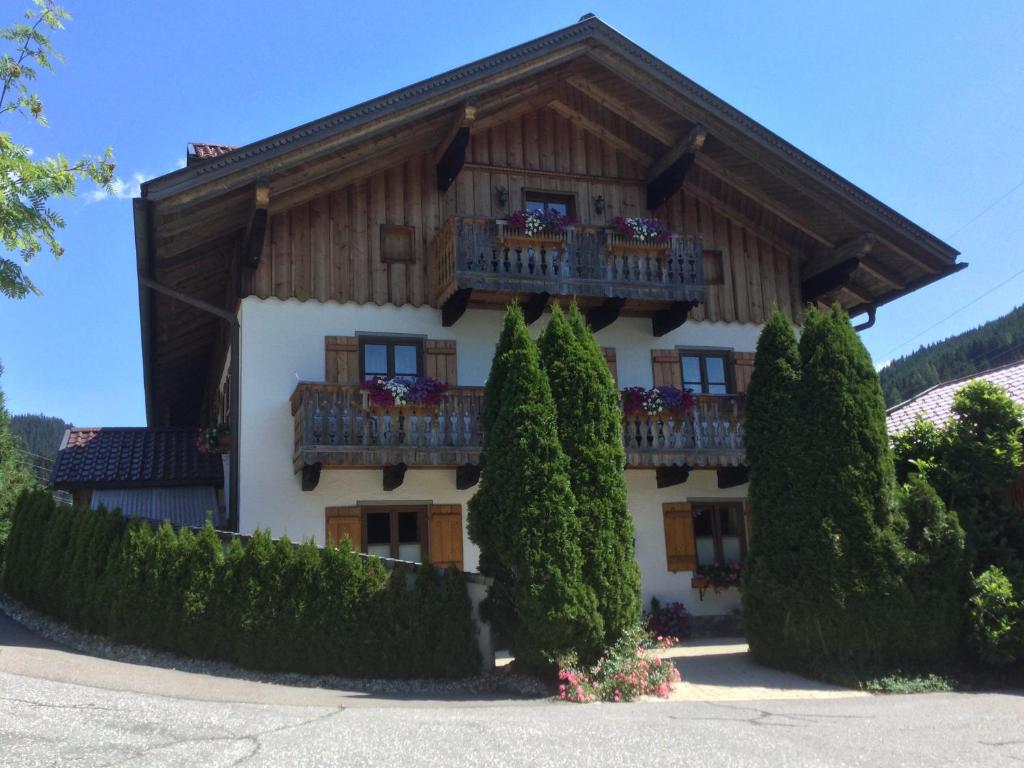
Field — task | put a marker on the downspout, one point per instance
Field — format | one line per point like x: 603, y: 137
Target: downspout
x: 871, y: 310
x: 235, y: 385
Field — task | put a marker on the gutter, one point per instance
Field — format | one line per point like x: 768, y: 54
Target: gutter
x: 147, y: 285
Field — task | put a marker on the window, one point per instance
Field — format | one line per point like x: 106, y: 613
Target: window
x: 389, y: 357
x: 563, y: 205
x: 707, y: 373
x: 719, y: 533
x: 397, y: 533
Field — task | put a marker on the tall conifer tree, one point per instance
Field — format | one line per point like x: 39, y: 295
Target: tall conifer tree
x: 523, y: 515
x: 590, y: 431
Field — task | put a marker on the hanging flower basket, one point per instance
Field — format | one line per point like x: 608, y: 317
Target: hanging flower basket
x: 214, y: 439
x: 404, y: 394
x: 664, y: 401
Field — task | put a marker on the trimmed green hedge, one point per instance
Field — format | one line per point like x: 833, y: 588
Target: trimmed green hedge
x: 265, y: 604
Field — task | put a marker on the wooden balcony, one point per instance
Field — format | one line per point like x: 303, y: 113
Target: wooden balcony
x: 486, y: 261
x: 336, y: 427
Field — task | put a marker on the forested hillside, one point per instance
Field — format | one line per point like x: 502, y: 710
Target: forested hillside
x: 995, y: 343
x: 40, y: 435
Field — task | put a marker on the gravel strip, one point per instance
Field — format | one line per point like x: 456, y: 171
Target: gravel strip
x: 500, y: 681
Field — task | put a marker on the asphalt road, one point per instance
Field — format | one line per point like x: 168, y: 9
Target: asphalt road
x: 45, y: 723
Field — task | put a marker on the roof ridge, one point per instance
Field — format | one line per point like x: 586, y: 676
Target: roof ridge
x: 947, y: 382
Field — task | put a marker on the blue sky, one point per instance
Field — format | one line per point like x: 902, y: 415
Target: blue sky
x: 919, y: 103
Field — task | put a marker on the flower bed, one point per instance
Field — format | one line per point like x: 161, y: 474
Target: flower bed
x: 404, y: 390
x: 643, y: 230
x: 638, y: 402
x: 627, y: 670
x: 536, y: 223
x: 668, y: 620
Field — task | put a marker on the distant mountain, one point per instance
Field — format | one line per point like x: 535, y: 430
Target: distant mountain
x: 39, y: 434
x: 997, y: 342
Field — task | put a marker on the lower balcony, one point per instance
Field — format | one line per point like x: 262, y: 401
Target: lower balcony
x: 337, y: 427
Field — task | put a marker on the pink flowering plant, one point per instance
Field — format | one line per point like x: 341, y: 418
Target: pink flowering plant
x: 668, y: 620
x: 212, y: 439
x: 533, y: 223
x: 638, y: 402
x: 628, y: 669
x: 642, y: 229
x: 405, y: 390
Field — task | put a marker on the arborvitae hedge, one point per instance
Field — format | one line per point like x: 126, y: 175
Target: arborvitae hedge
x: 523, y: 515
x: 268, y: 605
x: 590, y: 431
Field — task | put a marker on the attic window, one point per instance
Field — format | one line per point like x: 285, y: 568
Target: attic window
x: 550, y: 202
x: 396, y: 243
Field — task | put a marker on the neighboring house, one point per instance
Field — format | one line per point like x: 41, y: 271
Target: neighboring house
x: 152, y: 473
x: 936, y: 404
x: 275, y: 277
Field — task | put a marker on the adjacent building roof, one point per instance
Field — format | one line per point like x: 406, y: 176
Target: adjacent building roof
x: 133, y: 457
x: 185, y: 505
x: 936, y: 404
x: 205, y: 151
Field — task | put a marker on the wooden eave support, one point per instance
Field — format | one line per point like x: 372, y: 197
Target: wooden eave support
x: 455, y: 306
x: 394, y: 475
x: 730, y: 477
x: 256, y: 228
x: 667, y: 320
x: 467, y: 476
x: 311, y: 476
x: 831, y: 270
x: 451, y: 151
x: 829, y: 281
x: 605, y: 314
x: 675, y: 475
x: 534, y: 306
x: 667, y: 175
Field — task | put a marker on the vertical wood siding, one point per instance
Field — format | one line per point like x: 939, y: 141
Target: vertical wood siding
x: 329, y: 248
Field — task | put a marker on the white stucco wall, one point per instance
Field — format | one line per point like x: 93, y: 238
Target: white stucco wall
x: 282, y: 343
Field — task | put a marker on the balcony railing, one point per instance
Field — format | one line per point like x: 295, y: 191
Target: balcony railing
x: 486, y: 254
x: 336, y: 426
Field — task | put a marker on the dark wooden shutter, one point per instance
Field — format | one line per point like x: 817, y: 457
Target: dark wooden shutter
x: 341, y: 360
x: 439, y: 361
x: 680, y: 547
x: 742, y: 369
x: 445, y: 533
x: 666, y: 368
x: 342, y: 523
x: 609, y: 357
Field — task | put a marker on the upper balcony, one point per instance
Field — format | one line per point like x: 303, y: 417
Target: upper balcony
x: 486, y: 261
x: 336, y: 426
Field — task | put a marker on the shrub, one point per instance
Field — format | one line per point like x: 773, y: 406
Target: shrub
x: 670, y: 620
x: 996, y: 619
x: 268, y: 605
x: 628, y: 669
x: 589, y: 415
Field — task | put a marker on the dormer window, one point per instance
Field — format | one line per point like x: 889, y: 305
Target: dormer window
x: 550, y: 202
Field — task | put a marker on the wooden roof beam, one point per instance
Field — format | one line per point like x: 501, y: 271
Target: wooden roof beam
x: 595, y: 128
x: 669, y: 172
x: 256, y: 228
x: 627, y: 113
x: 450, y: 155
x: 857, y: 248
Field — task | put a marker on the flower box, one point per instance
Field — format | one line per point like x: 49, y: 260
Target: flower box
x: 403, y: 394
x: 656, y: 403
x: 215, y: 439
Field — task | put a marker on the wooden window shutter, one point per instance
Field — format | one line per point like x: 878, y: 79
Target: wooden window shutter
x: 341, y: 360
x: 742, y: 369
x: 445, y: 535
x: 609, y: 357
x: 439, y: 361
x: 342, y: 523
x: 680, y: 548
x: 666, y: 368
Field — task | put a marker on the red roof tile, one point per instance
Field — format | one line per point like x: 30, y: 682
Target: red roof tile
x: 205, y: 151
x: 133, y: 457
x: 936, y: 404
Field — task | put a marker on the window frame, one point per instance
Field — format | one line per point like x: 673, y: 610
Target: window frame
x: 550, y: 196
x: 422, y: 520
x: 702, y: 355
x: 390, y: 342
x: 698, y: 507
